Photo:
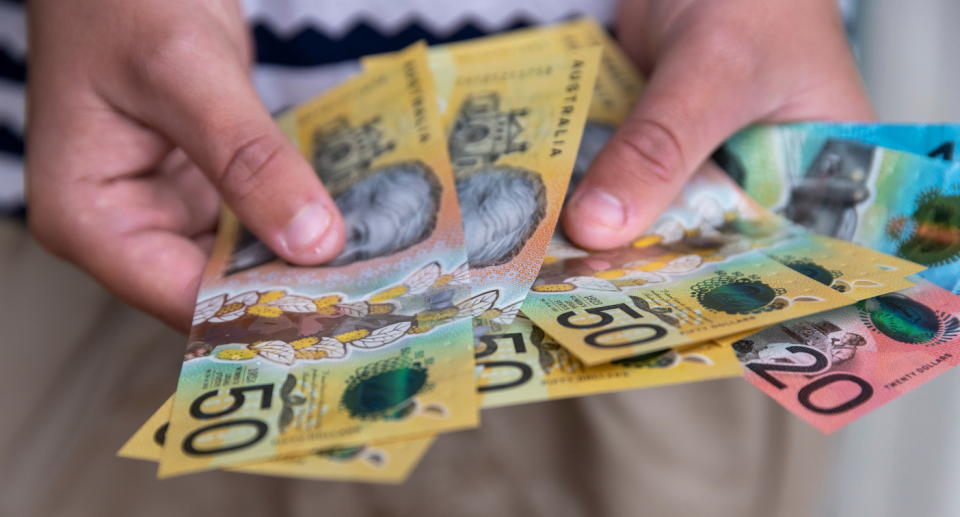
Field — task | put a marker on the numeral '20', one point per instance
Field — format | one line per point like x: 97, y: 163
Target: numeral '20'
x: 806, y: 392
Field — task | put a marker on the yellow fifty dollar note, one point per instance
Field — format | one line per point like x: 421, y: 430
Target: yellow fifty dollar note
x: 852, y: 269
x: 617, y: 88
x: 388, y: 463
x: 513, y: 131
x: 700, y: 274
x: 520, y: 363
x: 375, y: 345
x: 856, y: 271
x: 618, y: 84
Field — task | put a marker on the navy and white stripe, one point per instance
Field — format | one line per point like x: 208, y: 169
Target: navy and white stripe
x: 13, y: 74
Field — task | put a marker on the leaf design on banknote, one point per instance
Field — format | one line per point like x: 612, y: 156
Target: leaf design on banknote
x: 423, y: 279
x: 382, y: 336
x: 696, y: 359
x: 435, y: 411
x: 293, y: 303
x: 782, y: 302
x: 477, y: 305
x: 592, y: 283
x: 646, y: 276
x: 355, y: 309
x: 459, y: 276
x: 286, y: 392
x: 662, y: 313
x: 288, y: 384
x: 331, y: 347
x: 235, y: 307
x: 683, y: 264
x: 286, y: 416
x: 544, y: 356
x: 376, y: 459
x: 207, y: 308
x: 845, y: 287
x: 278, y: 351
x: 508, y: 313
x: 247, y: 298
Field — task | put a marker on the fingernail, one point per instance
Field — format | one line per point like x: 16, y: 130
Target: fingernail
x: 306, y: 228
x: 602, y: 208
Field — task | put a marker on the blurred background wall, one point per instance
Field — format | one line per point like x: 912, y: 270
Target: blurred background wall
x: 904, y: 459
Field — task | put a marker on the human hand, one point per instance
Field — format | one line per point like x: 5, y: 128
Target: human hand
x: 140, y: 116
x: 713, y: 68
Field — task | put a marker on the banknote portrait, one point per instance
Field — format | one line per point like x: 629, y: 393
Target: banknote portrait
x: 385, y: 210
x: 501, y: 206
x: 779, y: 345
x: 388, y: 211
x: 825, y: 199
x: 248, y: 253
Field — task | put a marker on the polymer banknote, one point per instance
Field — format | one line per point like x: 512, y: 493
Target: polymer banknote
x: 856, y: 271
x: 895, y: 202
x: 618, y: 83
x: 835, y: 367
x: 286, y: 360
x: 389, y: 463
x: 615, y: 90
x: 934, y: 140
x: 937, y: 141
x: 513, y: 131
x: 520, y: 363
x: 701, y: 273
x: 679, y: 244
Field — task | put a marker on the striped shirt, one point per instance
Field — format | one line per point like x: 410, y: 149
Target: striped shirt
x: 303, y: 48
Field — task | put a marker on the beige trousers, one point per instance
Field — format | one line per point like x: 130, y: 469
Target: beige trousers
x: 81, y: 371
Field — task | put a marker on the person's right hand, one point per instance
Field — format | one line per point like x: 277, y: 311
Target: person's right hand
x: 139, y: 113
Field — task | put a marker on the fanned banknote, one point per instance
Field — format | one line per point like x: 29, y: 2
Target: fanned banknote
x: 834, y: 367
x: 616, y: 89
x: 618, y: 84
x: 514, y: 108
x: 856, y: 271
x: 521, y: 364
x: 286, y: 360
x: 570, y: 275
x: 378, y: 463
x: 513, y: 131
x: 898, y: 203
x: 701, y: 273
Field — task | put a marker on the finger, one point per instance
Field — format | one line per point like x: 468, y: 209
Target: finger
x: 702, y: 90
x: 204, y: 102
x: 145, y: 238
x: 680, y: 119
x: 174, y: 263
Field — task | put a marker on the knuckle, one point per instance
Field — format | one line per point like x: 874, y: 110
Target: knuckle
x: 160, y: 58
x: 733, y: 51
x: 649, y: 152
x: 249, y: 168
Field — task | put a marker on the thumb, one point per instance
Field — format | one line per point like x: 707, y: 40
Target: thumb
x: 206, y: 104
x: 690, y: 106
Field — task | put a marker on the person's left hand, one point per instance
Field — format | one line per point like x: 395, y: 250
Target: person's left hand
x: 713, y: 67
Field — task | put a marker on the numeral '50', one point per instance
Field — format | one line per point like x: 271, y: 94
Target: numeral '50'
x: 605, y: 319
x: 260, y: 427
